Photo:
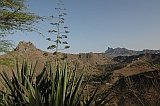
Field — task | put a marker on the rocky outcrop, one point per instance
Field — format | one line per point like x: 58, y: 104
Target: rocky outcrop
x: 25, y: 46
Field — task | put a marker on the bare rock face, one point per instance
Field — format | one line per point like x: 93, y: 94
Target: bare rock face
x: 25, y: 46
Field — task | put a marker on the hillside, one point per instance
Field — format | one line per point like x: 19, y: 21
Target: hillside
x: 27, y: 51
x: 113, y: 74
x: 97, y: 64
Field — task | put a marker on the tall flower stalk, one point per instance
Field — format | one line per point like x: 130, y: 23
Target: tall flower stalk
x: 60, y: 31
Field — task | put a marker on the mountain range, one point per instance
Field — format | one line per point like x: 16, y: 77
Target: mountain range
x: 125, y: 52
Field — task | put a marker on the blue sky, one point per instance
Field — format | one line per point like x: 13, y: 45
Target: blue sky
x: 95, y: 25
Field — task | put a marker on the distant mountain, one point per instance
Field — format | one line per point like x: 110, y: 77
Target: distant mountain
x: 125, y: 52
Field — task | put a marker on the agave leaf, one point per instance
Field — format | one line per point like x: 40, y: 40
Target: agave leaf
x: 64, y: 81
x: 92, y: 98
x: 33, y: 72
x: 52, y: 74
x: 6, y: 98
x: 16, y: 95
x: 32, y: 101
x: 69, y: 76
x: 23, y: 89
x: 39, y: 78
x: 72, y: 81
x: 30, y: 70
x: 31, y: 88
x: 52, y: 95
x: 72, y: 86
x: 15, y: 80
x: 24, y: 96
x: 17, y: 69
x: 59, y: 92
x: 3, y: 82
x: 26, y: 72
x: 85, y: 84
x: 38, y: 98
x: 7, y: 81
x: 70, y: 73
x: 78, y: 84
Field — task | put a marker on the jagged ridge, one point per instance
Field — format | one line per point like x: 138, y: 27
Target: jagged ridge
x: 125, y: 52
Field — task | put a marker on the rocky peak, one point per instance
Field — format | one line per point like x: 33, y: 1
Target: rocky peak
x: 25, y: 46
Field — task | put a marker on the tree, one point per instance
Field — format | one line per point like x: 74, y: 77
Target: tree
x: 61, y: 31
x: 13, y: 17
x: 5, y: 45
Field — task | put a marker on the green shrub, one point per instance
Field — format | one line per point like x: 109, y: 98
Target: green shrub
x: 45, y: 54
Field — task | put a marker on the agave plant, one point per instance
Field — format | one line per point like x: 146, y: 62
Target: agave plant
x: 58, y: 87
x: 17, y: 88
